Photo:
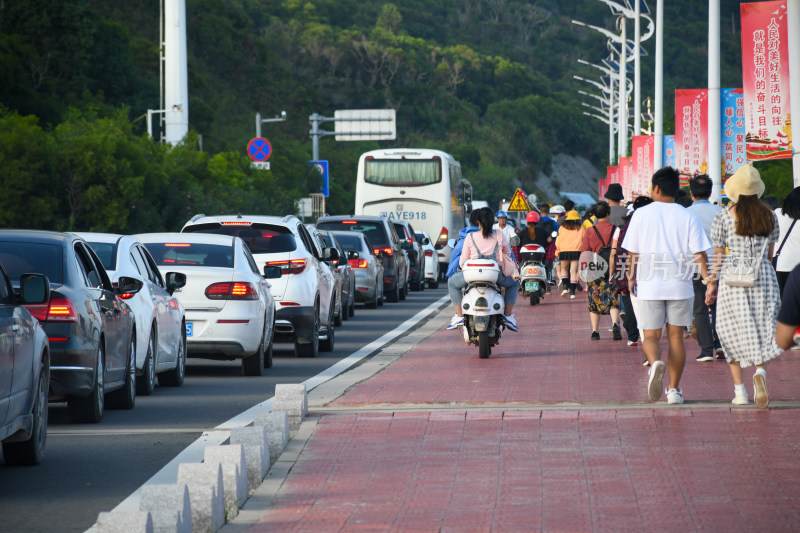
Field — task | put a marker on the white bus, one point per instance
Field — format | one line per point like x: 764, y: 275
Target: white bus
x: 421, y: 186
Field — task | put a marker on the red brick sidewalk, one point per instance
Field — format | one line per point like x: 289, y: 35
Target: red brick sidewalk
x: 553, y: 432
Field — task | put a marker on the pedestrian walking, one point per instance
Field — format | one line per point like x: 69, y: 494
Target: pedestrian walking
x: 486, y: 242
x: 789, y: 315
x: 664, y: 239
x: 569, y: 205
x: 787, y: 256
x: 569, y: 244
x: 744, y: 284
x: 614, y: 198
x: 548, y: 226
x: 602, y: 296
x: 704, y: 315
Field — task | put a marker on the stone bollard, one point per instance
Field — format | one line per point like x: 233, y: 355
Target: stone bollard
x: 125, y: 522
x: 206, y: 493
x: 170, y: 507
x: 234, y: 474
x: 277, y: 426
x: 291, y: 399
x: 256, y: 452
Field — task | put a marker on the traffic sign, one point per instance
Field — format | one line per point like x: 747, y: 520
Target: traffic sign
x: 519, y: 202
x: 322, y: 168
x: 259, y: 149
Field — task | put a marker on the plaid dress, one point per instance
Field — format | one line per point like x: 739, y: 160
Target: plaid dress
x: 746, y: 316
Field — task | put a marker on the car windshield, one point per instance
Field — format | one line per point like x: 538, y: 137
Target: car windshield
x: 374, y: 231
x: 191, y: 254
x: 32, y: 257
x: 401, y: 231
x: 107, y: 252
x: 260, y: 238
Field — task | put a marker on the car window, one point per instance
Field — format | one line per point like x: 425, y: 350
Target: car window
x: 250, y: 260
x: 87, y: 267
x: 191, y: 254
x: 151, y: 267
x: 20, y: 258
x: 260, y: 238
x: 401, y: 231
x: 308, y: 241
x: 144, y: 268
x: 374, y: 231
x: 5, y: 289
x: 138, y: 263
x: 107, y: 253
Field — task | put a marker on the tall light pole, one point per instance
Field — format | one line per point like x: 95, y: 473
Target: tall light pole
x: 714, y: 117
x: 622, y: 117
x: 658, y: 147
x: 793, y: 19
x: 608, y: 70
x: 637, y: 77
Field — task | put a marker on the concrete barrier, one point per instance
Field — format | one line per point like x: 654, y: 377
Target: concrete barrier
x: 125, y: 522
x: 206, y: 493
x: 256, y: 452
x: 169, y: 506
x: 234, y: 474
x: 277, y: 426
x: 291, y: 399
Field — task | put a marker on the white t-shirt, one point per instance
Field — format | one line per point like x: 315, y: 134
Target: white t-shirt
x: 665, y: 237
x: 508, y: 231
x: 790, y: 254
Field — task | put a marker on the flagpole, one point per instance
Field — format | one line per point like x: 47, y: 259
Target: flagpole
x: 714, y: 118
x: 793, y: 27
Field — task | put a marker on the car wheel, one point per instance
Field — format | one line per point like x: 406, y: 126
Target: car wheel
x: 433, y: 284
x: 373, y: 304
x: 31, y: 451
x: 394, y: 294
x: 310, y: 349
x: 253, y: 365
x: 90, y: 409
x: 328, y: 344
x: 381, y: 298
x: 404, y: 291
x: 337, y: 318
x: 125, y: 398
x: 147, y: 383
x: 175, y: 377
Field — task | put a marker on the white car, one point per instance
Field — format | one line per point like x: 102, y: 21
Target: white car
x: 305, y: 292
x: 431, y: 265
x: 159, y: 316
x: 230, y: 312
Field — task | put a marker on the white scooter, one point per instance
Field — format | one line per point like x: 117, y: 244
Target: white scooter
x: 532, y: 275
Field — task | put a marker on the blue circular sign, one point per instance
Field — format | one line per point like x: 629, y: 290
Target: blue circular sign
x: 259, y: 149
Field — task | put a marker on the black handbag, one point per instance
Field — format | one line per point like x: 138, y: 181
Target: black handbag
x: 775, y: 257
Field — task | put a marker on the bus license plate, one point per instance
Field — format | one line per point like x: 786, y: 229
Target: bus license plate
x: 189, y: 328
x: 529, y: 286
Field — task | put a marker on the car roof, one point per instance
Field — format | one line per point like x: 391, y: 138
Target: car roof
x: 192, y: 238
x: 35, y: 235
x: 89, y: 236
x: 337, y: 218
x: 264, y: 219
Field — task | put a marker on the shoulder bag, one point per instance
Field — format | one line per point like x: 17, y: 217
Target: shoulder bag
x: 743, y: 271
x: 775, y: 257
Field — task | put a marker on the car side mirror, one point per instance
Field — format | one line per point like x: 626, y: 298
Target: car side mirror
x: 175, y: 281
x: 352, y: 254
x: 34, y: 289
x: 426, y: 241
x: 272, y: 272
x: 331, y: 254
x: 514, y: 240
x: 451, y: 243
x: 127, y: 285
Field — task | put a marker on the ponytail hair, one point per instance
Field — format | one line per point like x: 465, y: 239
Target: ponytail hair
x: 486, y: 221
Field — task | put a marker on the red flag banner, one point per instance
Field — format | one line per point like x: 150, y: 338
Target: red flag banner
x: 691, y: 130
x: 625, y: 176
x: 642, y: 160
x: 765, y: 72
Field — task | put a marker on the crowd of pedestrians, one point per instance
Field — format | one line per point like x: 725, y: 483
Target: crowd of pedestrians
x: 667, y: 263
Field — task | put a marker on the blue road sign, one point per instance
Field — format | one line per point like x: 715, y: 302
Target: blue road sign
x: 259, y: 149
x: 322, y: 168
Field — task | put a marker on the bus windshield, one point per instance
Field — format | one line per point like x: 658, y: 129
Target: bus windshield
x: 402, y: 172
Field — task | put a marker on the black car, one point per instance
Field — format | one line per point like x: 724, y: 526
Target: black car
x: 24, y: 371
x: 381, y: 233
x: 348, y: 277
x: 416, y: 254
x: 90, y: 329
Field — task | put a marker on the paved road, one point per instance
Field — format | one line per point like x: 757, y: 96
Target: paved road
x: 91, y: 468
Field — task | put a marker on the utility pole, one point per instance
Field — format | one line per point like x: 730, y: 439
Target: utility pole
x: 622, y: 117
x: 793, y: 26
x: 658, y: 148
x: 714, y: 114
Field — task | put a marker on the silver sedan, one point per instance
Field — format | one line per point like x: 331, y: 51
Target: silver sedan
x: 367, y: 268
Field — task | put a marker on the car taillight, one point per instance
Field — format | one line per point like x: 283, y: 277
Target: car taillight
x: 231, y: 290
x: 428, y: 253
x: 294, y: 266
x: 386, y: 251
x: 60, y: 309
x: 442, y: 240
x: 358, y: 263
x: 39, y: 312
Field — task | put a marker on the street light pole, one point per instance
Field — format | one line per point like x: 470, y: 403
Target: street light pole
x: 714, y: 114
x: 622, y: 126
x: 658, y: 160
x: 637, y: 104
x: 793, y: 20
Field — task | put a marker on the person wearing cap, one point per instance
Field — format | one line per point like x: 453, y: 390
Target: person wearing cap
x: 568, y: 246
x: 503, y: 225
x: 569, y: 205
x: 700, y: 189
x: 663, y: 239
x: 614, y: 196
x: 548, y: 226
x: 747, y: 317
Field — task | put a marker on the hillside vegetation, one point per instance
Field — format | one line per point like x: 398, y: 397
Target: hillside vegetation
x: 487, y: 80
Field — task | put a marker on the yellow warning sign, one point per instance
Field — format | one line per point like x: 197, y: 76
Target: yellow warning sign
x: 519, y: 202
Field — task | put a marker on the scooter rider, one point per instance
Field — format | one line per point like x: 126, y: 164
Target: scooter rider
x: 479, y: 243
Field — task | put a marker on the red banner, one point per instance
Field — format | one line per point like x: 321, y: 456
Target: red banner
x: 642, y: 161
x: 625, y: 177
x: 691, y: 130
x: 765, y: 71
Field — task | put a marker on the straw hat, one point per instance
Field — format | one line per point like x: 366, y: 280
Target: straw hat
x: 745, y: 181
x: 573, y: 215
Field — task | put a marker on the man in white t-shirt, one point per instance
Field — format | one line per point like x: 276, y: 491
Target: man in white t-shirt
x: 664, y: 239
x: 503, y: 225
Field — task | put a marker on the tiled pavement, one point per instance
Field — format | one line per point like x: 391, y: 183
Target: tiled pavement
x: 554, y: 433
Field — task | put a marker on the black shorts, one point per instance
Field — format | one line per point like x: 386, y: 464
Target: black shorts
x: 569, y: 256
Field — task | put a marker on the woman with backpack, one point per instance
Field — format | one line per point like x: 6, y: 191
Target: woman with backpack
x: 603, y: 300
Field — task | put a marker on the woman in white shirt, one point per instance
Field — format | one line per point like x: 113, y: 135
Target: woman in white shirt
x: 787, y: 249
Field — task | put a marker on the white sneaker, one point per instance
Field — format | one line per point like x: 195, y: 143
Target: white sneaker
x: 510, y: 322
x: 675, y: 396
x: 455, y: 322
x: 654, y: 386
x: 571, y: 296
x: 740, y: 399
x: 564, y: 292
x: 760, y: 395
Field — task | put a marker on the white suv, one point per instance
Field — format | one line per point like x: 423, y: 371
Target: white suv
x: 304, y: 293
